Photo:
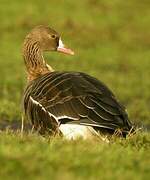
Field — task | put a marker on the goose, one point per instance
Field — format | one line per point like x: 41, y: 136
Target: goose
x: 73, y: 104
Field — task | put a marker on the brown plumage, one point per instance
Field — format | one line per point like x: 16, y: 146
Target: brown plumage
x: 53, y: 99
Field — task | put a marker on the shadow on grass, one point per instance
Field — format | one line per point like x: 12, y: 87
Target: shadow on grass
x: 14, y: 126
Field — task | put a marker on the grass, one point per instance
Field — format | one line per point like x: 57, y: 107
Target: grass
x: 111, y: 40
x: 36, y: 158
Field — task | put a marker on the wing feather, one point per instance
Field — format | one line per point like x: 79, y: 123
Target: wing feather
x: 74, y: 98
x: 41, y: 119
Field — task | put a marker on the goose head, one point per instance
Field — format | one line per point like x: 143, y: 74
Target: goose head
x: 48, y: 39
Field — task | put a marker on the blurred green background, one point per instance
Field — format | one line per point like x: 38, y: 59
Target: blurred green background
x: 111, y: 40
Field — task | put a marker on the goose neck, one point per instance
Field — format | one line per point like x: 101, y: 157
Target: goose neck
x: 34, y: 60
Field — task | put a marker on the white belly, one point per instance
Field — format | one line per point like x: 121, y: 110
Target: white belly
x: 74, y: 131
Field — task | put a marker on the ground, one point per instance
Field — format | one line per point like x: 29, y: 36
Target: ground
x: 111, y: 40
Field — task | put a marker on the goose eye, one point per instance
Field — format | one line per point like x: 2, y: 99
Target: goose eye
x: 53, y: 36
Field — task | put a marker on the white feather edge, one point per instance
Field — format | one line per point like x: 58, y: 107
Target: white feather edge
x: 72, y: 131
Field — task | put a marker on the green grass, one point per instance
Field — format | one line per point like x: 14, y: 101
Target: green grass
x: 35, y: 157
x: 111, y: 40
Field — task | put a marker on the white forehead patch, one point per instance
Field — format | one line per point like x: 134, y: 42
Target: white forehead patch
x: 61, y: 45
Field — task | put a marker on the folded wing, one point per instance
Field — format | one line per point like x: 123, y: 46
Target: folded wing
x: 72, y: 97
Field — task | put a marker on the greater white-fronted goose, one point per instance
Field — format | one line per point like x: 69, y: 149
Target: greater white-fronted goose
x: 72, y: 103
